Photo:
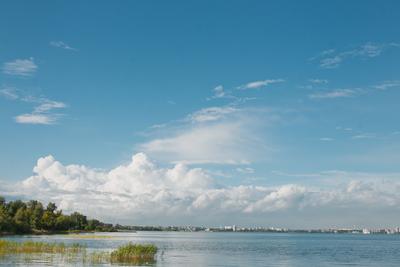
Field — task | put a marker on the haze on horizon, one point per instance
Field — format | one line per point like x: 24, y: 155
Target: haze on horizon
x: 275, y: 113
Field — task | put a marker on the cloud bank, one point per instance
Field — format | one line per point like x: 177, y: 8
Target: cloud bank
x: 142, y: 192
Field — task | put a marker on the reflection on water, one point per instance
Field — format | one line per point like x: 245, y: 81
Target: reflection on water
x: 231, y: 249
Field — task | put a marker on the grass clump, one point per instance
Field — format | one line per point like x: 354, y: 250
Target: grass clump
x: 27, y: 247
x: 129, y: 254
x: 134, y: 253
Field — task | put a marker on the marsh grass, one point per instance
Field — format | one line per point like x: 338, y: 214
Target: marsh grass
x: 134, y: 253
x: 27, y: 247
x: 129, y: 254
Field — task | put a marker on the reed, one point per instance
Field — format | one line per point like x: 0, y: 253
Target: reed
x: 27, y: 247
x: 134, y: 253
x: 131, y: 254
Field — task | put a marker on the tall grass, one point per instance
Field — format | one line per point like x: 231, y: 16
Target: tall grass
x: 7, y: 247
x: 131, y: 254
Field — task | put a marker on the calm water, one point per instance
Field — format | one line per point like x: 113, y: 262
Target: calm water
x: 241, y: 249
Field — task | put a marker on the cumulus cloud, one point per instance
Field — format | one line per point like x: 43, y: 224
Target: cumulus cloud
x: 142, y: 192
x: 20, y: 67
x: 259, y: 84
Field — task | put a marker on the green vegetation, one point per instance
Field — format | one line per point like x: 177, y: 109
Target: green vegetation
x: 134, y: 253
x: 129, y: 254
x: 18, y: 217
x: 10, y: 247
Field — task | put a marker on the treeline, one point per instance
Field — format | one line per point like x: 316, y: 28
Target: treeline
x: 18, y: 217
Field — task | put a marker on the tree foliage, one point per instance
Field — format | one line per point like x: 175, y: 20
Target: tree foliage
x: 18, y: 217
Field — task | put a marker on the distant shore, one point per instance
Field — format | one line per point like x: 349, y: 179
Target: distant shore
x: 212, y: 230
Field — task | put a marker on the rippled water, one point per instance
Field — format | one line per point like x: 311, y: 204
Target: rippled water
x: 237, y: 249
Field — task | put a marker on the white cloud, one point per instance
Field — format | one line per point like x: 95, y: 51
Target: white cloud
x: 61, y: 44
x: 41, y: 114
x: 218, y: 135
x: 326, y: 139
x: 259, y: 84
x: 330, y: 59
x: 211, y: 114
x: 219, y: 92
x: 141, y: 192
x: 318, y: 81
x: 282, y: 198
x: 337, y: 93
x: 9, y: 93
x: 34, y: 118
x: 331, y: 62
x: 220, y: 143
x: 364, y: 136
x: 47, y: 105
x: 20, y: 67
x: 387, y: 84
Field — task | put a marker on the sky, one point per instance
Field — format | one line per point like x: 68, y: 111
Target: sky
x: 254, y: 113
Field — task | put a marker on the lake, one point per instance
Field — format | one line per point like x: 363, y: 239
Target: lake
x: 235, y: 249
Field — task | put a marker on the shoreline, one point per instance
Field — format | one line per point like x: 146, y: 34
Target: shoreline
x: 40, y: 233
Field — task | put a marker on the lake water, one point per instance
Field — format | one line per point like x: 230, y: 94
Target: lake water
x: 239, y: 249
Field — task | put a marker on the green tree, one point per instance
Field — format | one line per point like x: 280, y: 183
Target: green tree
x: 20, y: 217
x: 21, y: 220
x: 63, y: 222
x: 48, y: 221
x: 5, y: 219
x: 51, y: 207
x: 36, y: 214
x: 13, y: 206
x: 79, y: 221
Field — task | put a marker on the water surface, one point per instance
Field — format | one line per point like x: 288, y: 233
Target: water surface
x: 235, y: 249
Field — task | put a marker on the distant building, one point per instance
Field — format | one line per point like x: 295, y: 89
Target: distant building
x: 365, y: 231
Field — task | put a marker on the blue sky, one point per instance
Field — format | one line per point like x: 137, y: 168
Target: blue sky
x: 280, y: 94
